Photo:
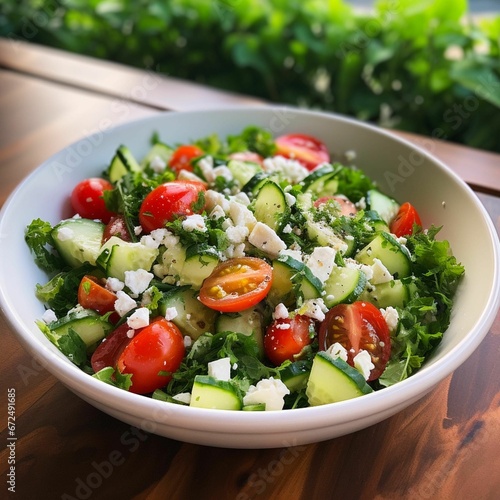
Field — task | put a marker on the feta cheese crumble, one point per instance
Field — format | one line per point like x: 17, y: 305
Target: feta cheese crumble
x: 139, y: 318
x: 220, y: 369
x: 124, y: 303
x: 363, y: 363
x: 138, y: 281
x: 337, y: 350
x: 49, y: 316
x: 269, y: 391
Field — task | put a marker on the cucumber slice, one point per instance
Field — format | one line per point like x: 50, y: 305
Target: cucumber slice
x: 122, y: 163
x: 393, y: 293
x: 333, y: 380
x: 209, y: 392
x: 249, y: 322
x: 270, y: 206
x: 285, y: 268
x: 199, y: 264
x: 193, y: 318
x: 159, y: 150
x: 344, y: 284
x: 90, y: 326
x: 255, y: 183
x: 322, y: 182
x: 385, y: 206
x: 78, y: 240
x: 310, y: 286
x: 375, y: 221
x: 295, y: 375
x: 395, y: 257
x: 243, y: 171
x: 255, y: 407
x: 118, y: 256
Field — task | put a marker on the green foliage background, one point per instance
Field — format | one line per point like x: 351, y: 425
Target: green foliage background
x: 422, y: 66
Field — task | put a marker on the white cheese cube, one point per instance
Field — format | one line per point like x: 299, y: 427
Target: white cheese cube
x: 268, y: 391
x: 363, y: 363
x: 380, y: 273
x: 337, y: 350
x: 139, y: 318
x: 265, y: 239
x: 321, y: 262
x: 124, y: 303
x: 220, y: 369
x: 138, y: 281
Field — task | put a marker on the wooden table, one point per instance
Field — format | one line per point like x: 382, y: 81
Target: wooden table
x: 445, y: 446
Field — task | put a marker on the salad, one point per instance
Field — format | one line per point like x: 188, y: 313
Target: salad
x: 242, y: 273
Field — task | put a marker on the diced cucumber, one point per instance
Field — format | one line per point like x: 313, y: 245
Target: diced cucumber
x: 255, y: 407
x: 254, y: 184
x: 295, y: 375
x: 345, y: 284
x: 375, y: 221
x: 193, y: 318
x: 90, y: 326
x: 270, y: 206
x: 394, y: 293
x: 118, y: 256
x: 243, y: 171
x: 385, y: 206
x: 209, y: 392
x: 325, y: 236
x: 285, y: 268
x: 322, y: 182
x: 78, y: 240
x: 395, y: 257
x: 332, y: 380
x: 159, y: 150
x: 122, y: 163
x: 199, y: 264
x: 310, y: 286
x: 249, y: 322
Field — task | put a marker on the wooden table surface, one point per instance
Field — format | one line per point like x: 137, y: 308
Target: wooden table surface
x: 444, y: 446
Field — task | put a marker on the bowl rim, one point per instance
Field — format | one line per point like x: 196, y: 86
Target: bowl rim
x: 184, y: 417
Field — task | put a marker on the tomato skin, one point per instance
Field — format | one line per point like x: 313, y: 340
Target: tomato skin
x: 92, y: 295
x: 109, y: 350
x: 285, y: 338
x: 116, y: 227
x: 304, y: 148
x: 247, y: 156
x: 407, y: 216
x: 87, y: 199
x: 157, y: 348
x: 182, y: 157
x: 358, y: 326
x: 237, y: 284
x: 168, y: 201
x: 347, y: 207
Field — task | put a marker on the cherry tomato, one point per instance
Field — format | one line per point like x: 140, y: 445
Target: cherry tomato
x: 168, y: 201
x: 407, y: 216
x: 109, y: 350
x: 116, y: 227
x: 152, y: 356
x: 247, y: 156
x: 305, y: 149
x: 358, y: 326
x: 182, y: 157
x: 347, y: 207
x: 237, y: 284
x: 87, y: 199
x: 285, y: 338
x: 91, y: 295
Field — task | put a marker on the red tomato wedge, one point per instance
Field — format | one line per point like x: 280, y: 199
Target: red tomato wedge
x: 109, y: 350
x: 92, y: 295
x: 182, y: 157
x: 152, y: 356
x: 347, y: 207
x: 407, y: 216
x: 87, y: 199
x: 237, y: 284
x: 358, y: 326
x: 304, y: 148
x: 168, y: 201
x: 285, y: 338
x: 116, y: 227
x: 247, y: 156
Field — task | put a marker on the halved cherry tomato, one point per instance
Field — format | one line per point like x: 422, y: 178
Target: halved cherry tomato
x: 237, y: 284
x: 109, y: 350
x: 304, y: 148
x: 285, y: 338
x: 247, y: 156
x: 152, y: 356
x: 116, y: 227
x: 347, y: 207
x: 168, y: 201
x: 87, y: 199
x: 358, y: 326
x: 182, y: 157
x: 92, y: 295
x: 407, y: 216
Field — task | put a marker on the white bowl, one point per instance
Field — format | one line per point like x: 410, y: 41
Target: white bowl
x: 401, y: 169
